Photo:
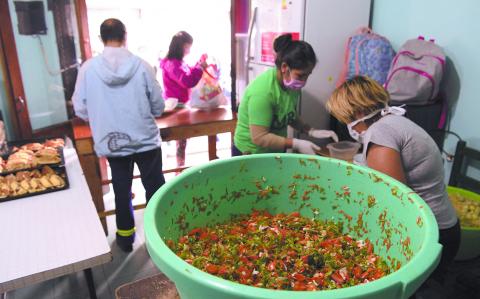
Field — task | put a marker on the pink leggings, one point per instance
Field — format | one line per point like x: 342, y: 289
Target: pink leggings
x: 181, y: 145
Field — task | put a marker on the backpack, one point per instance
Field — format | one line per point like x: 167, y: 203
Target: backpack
x: 416, y: 73
x: 368, y: 54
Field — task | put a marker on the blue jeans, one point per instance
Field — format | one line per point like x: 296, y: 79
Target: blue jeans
x: 236, y: 151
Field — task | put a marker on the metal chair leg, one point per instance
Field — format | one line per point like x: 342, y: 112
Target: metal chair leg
x: 90, y: 283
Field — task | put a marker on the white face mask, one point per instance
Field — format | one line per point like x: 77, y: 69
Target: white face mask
x: 358, y: 136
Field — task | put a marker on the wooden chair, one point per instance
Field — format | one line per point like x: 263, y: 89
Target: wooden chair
x: 464, y: 156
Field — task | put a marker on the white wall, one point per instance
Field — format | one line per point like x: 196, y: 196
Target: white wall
x: 328, y: 24
x: 454, y: 25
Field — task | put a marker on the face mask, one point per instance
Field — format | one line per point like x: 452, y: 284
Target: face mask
x: 294, y: 84
x: 385, y: 111
x: 354, y: 133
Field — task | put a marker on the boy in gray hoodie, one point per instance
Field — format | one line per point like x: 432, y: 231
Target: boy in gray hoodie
x: 118, y: 94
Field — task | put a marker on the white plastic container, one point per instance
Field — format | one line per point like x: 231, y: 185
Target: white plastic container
x: 344, y: 150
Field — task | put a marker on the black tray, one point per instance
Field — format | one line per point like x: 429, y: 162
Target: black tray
x: 59, y: 170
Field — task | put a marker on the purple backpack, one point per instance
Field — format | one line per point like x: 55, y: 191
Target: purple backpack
x: 416, y: 73
x: 368, y: 54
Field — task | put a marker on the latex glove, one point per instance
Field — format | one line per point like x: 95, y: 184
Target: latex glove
x: 305, y: 146
x: 323, y: 134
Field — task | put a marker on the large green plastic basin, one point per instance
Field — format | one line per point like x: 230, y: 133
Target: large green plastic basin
x: 371, y: 205
x: 470, y: 241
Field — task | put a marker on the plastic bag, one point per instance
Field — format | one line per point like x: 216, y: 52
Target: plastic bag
x: 208, y: 94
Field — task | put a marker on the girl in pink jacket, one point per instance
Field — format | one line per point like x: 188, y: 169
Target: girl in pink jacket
x: 179, y: 78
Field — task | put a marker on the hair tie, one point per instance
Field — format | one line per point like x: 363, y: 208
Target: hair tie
x: 395, y: 110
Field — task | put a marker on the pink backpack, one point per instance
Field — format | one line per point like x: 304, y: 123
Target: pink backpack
x: 416, y: 72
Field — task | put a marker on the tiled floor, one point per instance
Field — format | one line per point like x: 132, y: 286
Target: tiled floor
x: 130, y: 267
x: 124, y: 268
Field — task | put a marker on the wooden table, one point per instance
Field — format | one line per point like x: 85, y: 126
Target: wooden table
x: 51, y: 235
x: 179, y: 124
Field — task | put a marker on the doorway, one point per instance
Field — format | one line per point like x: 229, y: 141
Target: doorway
x: 39, y: 41
x: 151, y: 25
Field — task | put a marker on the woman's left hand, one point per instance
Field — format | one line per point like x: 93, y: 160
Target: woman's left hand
x: 203, y: 61
x: 323, y: 134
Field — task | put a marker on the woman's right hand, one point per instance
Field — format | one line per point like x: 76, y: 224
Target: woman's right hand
x: 304, y: 146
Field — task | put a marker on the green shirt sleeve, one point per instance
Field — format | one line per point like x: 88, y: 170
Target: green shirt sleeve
x: 260, y: 110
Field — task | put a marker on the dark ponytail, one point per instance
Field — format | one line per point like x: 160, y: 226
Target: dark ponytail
x: 296, y: 54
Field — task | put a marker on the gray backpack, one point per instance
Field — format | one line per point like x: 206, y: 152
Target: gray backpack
x: 416, y: 72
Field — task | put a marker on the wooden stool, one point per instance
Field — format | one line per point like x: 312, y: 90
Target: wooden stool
x: 153, y: 287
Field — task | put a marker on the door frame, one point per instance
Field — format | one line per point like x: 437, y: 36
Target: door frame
x: 18, y: 108
x: 82, y: 24
x: 8, y: 93
x: 13, y: 77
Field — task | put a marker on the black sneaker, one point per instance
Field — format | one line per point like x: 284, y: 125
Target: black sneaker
x: 125, y: 243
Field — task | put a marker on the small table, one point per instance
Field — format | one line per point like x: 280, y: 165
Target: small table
x: 179, y: 124
x: 51, y: 235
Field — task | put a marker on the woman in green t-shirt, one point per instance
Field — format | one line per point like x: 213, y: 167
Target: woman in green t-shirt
x: 270, y: 101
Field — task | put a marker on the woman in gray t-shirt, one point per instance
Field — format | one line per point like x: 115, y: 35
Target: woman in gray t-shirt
x: 396, y: 146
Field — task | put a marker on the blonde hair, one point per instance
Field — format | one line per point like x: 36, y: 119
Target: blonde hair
x: 357, y: 95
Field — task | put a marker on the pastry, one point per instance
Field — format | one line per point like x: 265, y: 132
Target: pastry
x: 2, y: 165
x: 57, y: 142
x: 47, y: 170
x: 21, y: 160
x: 20, y: 191
x: 22, y: 175
x: 45, y: 182
x: 4, y: 190
x: 36, y: 185
x: 32, y: 146
x: 47, y: 155
x: 57, y: 181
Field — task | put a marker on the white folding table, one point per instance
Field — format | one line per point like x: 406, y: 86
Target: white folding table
x: 51, y: 235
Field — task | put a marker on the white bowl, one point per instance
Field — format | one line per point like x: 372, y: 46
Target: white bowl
x: 170, y: 104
